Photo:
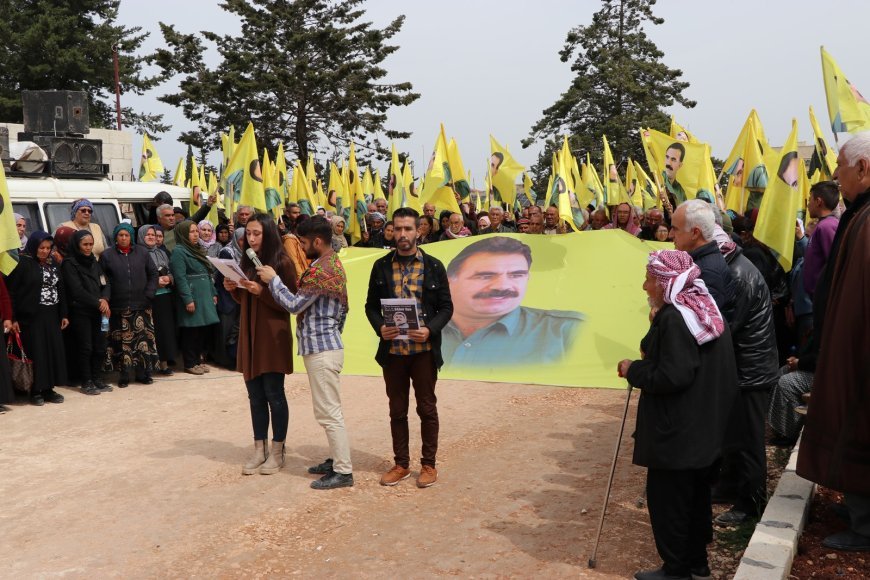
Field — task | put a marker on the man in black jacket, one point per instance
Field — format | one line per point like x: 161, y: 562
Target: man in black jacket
x: 410, y: 273
x: 744, y: 473
x: 693, y: 224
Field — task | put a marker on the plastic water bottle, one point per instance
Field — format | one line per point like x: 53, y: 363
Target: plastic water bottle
x: 104, y: 324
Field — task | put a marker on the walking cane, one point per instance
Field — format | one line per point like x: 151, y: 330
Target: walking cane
x: 592, y: 560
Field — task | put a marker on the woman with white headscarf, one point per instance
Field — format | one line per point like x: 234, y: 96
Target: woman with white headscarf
x: 208, y: 239
x: 338, y: 227
x: 687, y: 376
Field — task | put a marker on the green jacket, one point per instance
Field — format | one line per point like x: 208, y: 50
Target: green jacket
x: 192, y: 284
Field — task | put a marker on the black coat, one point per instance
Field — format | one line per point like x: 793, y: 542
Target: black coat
x: 687, y: 393
x: 25, y: 286
x: 85, y: 285
x: 437, y: 304
x: 717, y: 277
x: 752, y: 328
x: 132, y: 278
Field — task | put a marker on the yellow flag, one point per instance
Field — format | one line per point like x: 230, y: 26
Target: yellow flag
x: 354, y: 185
x: 707, y: 178
x: 335, y: 189
x: 681, y: 165
x: 195, y: 187
x: 527, y: 189
x: 274, y: 199
x: 504, y: 170
x: 438, y: 181
x: 562, y: 192
x: 592, y: 191
x: 648, y: 187
x: 781, y: 202
x: 150, y: 167
x: 180, y: 178
x: 9, y: 240
x: 396, y: 188
x: 368, y: 186
x: 244, y: 174
x: 614, y: 191
x: 379, y: 190
x: 321, y: 196
x: 228, y: 145
x: 848, y: 109
x: 413, y: 198
x: 281, y: 170
x: 631, y: 185
x: 461, y: 180
x: 679, y: 133
x: 824, y: 159
x: 305, y: 196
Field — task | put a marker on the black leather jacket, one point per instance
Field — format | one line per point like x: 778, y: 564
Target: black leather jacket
x: 437, y: 304
x: 752, y: 327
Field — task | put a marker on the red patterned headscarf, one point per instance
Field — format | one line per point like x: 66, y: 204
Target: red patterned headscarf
x: 680, y: 278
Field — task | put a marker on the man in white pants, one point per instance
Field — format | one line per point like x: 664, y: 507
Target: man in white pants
x: 321, y: 308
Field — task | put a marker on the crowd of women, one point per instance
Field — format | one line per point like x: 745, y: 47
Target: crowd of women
x: 79, y: 307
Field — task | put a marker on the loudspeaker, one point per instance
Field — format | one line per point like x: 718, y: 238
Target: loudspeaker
x: 73, y: 155
x: 56, y: 112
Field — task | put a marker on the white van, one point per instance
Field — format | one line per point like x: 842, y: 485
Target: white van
x: 45, y: 201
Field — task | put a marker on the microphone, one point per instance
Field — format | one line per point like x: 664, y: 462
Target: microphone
x: 252, y: 255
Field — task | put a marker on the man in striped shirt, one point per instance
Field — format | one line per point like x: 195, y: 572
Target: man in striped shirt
x: 321, y: 308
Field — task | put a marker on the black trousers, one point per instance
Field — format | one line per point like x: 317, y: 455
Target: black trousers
x: 193, y: 345
x: 744, y: 453
x: 90, y: 343
x: 267, y: 399
x: 399, y: 373
x: 680, y: 512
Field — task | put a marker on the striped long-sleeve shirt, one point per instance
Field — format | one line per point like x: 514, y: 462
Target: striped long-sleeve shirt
x: 320, y: 305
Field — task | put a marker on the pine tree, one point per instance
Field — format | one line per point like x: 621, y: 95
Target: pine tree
x: 306, y: 72
x: 66, y: 45
x: 166, y: 176
x: 620, y: 85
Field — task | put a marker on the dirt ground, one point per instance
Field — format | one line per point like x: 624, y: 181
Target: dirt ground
x: 146, y: 482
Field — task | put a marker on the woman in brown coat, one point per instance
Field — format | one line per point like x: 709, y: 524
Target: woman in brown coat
x: 265, y: 348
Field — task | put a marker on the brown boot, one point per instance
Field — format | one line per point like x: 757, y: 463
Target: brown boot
x: 395, y: 475
x: 275, y: 461
x: 257, y: 459
x: 428, y: 476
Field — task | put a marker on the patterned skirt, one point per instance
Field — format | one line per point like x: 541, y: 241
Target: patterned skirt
x: 131, y: 340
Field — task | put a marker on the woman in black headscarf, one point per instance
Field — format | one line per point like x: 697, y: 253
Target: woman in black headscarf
x: 133, y: 280
x: 162, y: 307
x: 88, y: 293
x: 37, y: 292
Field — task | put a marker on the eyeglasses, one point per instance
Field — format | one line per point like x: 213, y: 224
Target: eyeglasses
x: 85, y: 210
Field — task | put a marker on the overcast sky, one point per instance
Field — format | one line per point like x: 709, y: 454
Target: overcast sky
x: 737, y: 55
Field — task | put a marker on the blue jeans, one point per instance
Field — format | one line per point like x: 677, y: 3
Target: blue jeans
x: 266, y: 396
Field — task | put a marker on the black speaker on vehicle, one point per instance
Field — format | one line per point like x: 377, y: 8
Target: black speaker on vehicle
x: 73, y: 156
x: 56, y: 112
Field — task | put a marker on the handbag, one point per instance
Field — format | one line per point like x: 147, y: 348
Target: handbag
x: 21, y: 367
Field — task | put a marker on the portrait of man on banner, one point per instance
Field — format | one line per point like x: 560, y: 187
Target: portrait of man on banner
x: 490, y: 327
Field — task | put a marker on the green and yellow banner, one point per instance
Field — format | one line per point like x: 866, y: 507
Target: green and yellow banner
x: 561, y: 320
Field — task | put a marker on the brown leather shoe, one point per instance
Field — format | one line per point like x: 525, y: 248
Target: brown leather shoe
x: 395, y: 475
x: 194, y: 371
x: 428, y: 476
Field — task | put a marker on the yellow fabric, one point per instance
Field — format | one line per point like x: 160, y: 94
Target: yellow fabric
x: 692, y: 173
x: 781, y: 202
x: 9, y: 239
x: 457, y: 171
x: 180, y: 178
x: 614, y: 308
x: 614, y: 191
x: 379, y: 190
x: 438, y: 181
x: 848, y: 110
x: 504, y: 178
x: 243, y: 170
x: 397, y: 194
x: 824, y: 152
x: 150, y: 166
x: 680, y: 133
x: 413, y: 197
x: 281, y: 170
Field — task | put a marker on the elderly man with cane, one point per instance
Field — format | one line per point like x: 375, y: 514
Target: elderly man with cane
x: 687, y: 378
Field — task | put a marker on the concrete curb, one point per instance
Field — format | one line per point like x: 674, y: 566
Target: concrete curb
x: 774, y: 543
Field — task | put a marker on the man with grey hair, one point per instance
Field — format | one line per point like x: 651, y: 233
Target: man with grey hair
x: 166, y: 219
x: 836, y: 438
x: 497, y: 222
x: 693, y: 226
x: 243, y: 214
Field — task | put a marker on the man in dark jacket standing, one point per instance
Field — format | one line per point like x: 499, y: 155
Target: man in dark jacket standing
x: 835, y: 447
x: 692, y: 225
x: 744, y: 473
x: 410, y: 273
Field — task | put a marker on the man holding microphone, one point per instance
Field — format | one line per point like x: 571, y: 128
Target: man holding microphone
x: 321, y: 308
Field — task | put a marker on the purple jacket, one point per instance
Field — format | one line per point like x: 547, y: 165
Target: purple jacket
x: 817, y: 252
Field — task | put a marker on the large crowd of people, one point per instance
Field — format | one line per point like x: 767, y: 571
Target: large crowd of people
x: 735, y: 346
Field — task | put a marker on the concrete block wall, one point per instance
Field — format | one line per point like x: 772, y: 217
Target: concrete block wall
x: 117, y: 149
